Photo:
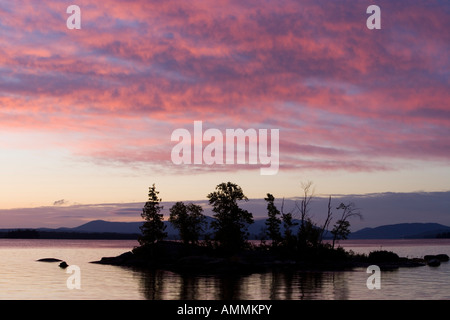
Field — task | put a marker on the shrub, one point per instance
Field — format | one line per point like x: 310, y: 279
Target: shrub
x: 383, y: 256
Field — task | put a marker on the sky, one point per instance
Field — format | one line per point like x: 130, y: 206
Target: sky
x: 87, y: 115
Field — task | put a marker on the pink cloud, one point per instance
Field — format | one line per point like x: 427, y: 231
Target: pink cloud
x: 343, y: 97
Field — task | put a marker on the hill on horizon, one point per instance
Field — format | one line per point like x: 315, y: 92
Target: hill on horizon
x: 401, y: 231
x: 256, y: 230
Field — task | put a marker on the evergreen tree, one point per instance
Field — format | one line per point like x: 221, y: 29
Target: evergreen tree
x: 273, y: 222
x: 153, y: 229
x: 289, y: 238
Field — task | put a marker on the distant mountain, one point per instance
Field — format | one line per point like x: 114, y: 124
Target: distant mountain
x: 256, y: 230
x: 401, y: 231
x: 108, y: 226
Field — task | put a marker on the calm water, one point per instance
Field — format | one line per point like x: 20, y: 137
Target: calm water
x: 22, y: 277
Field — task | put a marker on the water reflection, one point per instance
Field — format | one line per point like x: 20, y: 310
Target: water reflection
x: 164, y: 285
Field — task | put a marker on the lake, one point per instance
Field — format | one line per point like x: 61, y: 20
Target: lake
x: 22, y: 277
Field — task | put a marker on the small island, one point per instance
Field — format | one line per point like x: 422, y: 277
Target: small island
x: 228, y: 249
x: 201, y: 260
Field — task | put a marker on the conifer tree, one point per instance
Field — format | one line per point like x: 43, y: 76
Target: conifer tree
x: 273, y: 222
x: 153, y: 229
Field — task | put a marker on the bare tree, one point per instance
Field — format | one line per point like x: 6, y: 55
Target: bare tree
x: 341, y: 228
x: 327, y: 220
x: 304, y: 207
x: 308, y: 234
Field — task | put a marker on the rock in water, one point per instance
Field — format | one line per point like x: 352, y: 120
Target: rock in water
x: 49, y: 260
x: 437, y: 259
x: 434, y: 262
x: 442, y: 257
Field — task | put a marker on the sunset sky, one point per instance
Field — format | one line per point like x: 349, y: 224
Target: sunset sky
x: 86, y: 116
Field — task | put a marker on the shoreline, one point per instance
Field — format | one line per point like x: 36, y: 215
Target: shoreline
x: 195, y: 260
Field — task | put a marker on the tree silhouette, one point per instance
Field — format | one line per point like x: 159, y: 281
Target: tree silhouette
x: 153, y: 229
x: 341, y: 228
x: 307, y: 233
x: 189, y: 220
x: 231, y: 221
x: 273, y: 222
x: 304, y: 206
x: 327, y: 220
x: 290, y: 239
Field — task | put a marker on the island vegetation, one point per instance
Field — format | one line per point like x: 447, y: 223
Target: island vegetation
x: 293, y: 239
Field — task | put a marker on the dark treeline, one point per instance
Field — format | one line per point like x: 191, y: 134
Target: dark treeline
x: 443, y: 235
x: 220, y: 244
x: 289, y: 231
x: 294, y: 240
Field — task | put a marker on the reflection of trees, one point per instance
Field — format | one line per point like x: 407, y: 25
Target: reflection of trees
x: 339, y: 284
x: 283, y: 285
x: 163, y: 285
x: 188, y: 288
x: 229, y: 287
x: 310, y: 285
x: 286, y: 285
x: 152, y: 283
x: 291, y: 285
x: 322, y: 285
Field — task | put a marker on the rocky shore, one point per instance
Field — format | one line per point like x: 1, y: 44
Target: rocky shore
x: 180, y: 258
